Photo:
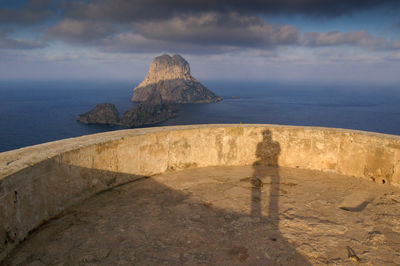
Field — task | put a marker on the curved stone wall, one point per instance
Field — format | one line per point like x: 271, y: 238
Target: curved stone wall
x: 39, y: 182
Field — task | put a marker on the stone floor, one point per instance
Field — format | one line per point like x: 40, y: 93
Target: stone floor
x: 253, y: 215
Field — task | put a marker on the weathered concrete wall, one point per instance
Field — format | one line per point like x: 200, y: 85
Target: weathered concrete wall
x: 39, y: 182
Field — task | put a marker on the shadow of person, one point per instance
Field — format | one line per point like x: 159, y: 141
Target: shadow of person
x: 267, y: 153
x: 265, y: 193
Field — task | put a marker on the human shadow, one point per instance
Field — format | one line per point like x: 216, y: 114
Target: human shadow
x: 267, y: 153
x: 265, y: 193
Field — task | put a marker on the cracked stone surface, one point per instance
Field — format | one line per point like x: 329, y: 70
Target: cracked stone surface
x: 247, y: 215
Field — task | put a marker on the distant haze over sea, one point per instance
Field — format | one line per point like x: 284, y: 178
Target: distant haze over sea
x: 33, y: 112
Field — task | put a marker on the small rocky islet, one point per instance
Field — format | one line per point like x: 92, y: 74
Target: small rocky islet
x: 167, y: 83
x: 104, y: 113
x: 146, y: 113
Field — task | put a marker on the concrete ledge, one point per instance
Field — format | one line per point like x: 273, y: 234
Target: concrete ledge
x: 39, y: 182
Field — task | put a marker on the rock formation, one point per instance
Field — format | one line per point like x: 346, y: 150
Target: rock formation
x: 146, y: 114
x: 167, y: 82
x: 170, y: 77
x: 150, y: 112
x: 104, y: 113
x: 153, y: 111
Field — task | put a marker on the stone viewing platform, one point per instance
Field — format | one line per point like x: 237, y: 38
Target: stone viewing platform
x: 204, y: 194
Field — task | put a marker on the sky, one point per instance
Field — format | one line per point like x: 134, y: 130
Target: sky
x: 263, y: 40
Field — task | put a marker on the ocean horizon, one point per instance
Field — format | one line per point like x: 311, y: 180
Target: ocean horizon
x: 39, y: 111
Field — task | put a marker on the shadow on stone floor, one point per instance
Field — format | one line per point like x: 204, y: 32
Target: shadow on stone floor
x: 147, y: 222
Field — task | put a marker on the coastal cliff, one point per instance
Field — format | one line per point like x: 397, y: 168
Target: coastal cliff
x: 170, y: 77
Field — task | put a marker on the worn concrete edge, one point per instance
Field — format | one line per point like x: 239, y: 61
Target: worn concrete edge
x: 16, y: 160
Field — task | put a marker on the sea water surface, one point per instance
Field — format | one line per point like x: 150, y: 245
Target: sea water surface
x: 33, y: 112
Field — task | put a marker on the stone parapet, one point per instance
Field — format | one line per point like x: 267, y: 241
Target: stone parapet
x: 39, y: 182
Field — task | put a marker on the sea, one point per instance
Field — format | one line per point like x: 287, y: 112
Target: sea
x: 38, y: 111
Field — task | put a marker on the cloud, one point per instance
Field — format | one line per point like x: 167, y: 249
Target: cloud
x: 105, y: 37
x: 335, y: 55
x: 136, y: 43
x: 33, y: 11
x: 18, y: 44
x: 197, y: 26
x: 360, y: 39
x: 212, y: 33
x: 39, y: 11
x: 80, y: 31
x: 394, y: 57
x: 123, y: 11
x: 204, y: 33
x: 215, y: 29
x: 140, y: 10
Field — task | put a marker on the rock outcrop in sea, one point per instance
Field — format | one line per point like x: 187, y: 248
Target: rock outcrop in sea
x: 170, y: 77
x: 104, y: 113
x: 150, y: 112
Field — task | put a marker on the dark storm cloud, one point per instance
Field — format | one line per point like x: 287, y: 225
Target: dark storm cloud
x: 207, y: 32
x: 32, y: 11
x: 142, y: 10
x: 149, y: 10
x: 195, y: 26
x: 221, y: 25
x: 217, y: 29
x: 139, y: 10
x: 15, y: 44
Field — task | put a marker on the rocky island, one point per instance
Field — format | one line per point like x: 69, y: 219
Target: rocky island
x: 167, y: 83
x: 146, y: 113
x: 104, y: 113
x: 170, y: 77
x: 149, y: 112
